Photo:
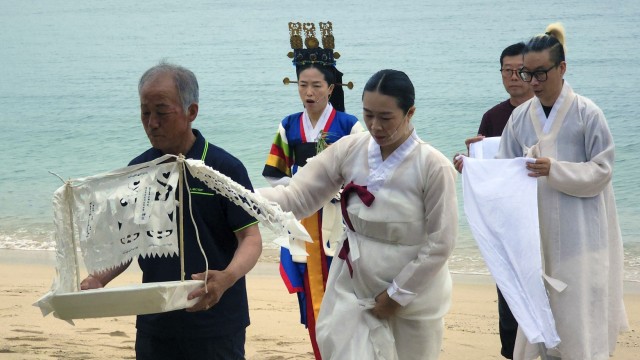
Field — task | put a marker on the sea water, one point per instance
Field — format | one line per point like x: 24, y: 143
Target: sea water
x: 69, y: 71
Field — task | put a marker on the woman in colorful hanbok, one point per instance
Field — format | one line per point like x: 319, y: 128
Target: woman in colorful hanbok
x: 301, y: 136
x: 390, y: 286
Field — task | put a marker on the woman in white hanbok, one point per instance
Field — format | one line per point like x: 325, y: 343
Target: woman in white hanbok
x: 390, y: 286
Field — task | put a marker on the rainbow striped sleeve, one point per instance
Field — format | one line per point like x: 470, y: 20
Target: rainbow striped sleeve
x: 279, y: 161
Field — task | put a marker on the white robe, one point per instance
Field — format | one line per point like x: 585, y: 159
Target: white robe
x: 580, y: 235
x: 501, y: 205
x: 406, y: 237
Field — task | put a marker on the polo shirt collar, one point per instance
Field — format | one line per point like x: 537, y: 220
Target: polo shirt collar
x: 198, y: 150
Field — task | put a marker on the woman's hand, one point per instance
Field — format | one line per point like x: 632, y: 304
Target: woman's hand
x: 385, y: 306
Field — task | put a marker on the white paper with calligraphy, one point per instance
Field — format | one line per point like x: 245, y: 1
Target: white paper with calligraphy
x: 126, y: 213
x: 115, y: 217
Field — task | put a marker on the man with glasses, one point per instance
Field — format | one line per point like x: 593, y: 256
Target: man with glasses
x: 492, y: 124
x: 494, y: 120
x: 580, y: 237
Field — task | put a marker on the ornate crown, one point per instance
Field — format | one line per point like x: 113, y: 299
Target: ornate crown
x: 313, y: 54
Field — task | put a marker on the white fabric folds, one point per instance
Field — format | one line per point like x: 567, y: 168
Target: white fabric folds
x: 485, y: 149
x: 501, y: 205
x: 361, y: 333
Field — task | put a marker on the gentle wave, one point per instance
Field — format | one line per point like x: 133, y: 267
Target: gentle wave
x: 465, y: 260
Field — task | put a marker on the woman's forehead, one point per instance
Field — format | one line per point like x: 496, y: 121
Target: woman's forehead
x: 378, y: 102
x: 311, y: 74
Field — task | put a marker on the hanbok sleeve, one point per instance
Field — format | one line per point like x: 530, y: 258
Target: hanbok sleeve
x: 510, y: 146
x: 313, y: 185
x: 279, y: 161
x: 441, y: 216
x: 587, y: 179
x: 356, y: 128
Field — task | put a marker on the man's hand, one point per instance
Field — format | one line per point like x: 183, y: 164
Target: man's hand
x: 91, y: 282
x: 457, y: 158
x: 458, y: 162
x: 217, y: 283
x: 472, y: 140
x: 101, y: 279
x: 540, y: 167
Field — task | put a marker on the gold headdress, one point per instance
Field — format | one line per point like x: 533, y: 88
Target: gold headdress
x: 314, y: 54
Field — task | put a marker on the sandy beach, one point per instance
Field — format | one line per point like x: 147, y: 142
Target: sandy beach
x: 275, y: 333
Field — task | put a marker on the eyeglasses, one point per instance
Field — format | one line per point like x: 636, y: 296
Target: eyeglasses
x: 507, y: 73
x: 540, y: 75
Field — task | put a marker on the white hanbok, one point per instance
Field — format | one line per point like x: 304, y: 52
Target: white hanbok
x: 400, y: 243
x: 580, y: 235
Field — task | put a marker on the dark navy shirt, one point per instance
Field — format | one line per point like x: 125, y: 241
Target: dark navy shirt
x: 217, y: 219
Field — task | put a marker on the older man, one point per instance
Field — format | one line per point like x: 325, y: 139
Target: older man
x: 214, y: 328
